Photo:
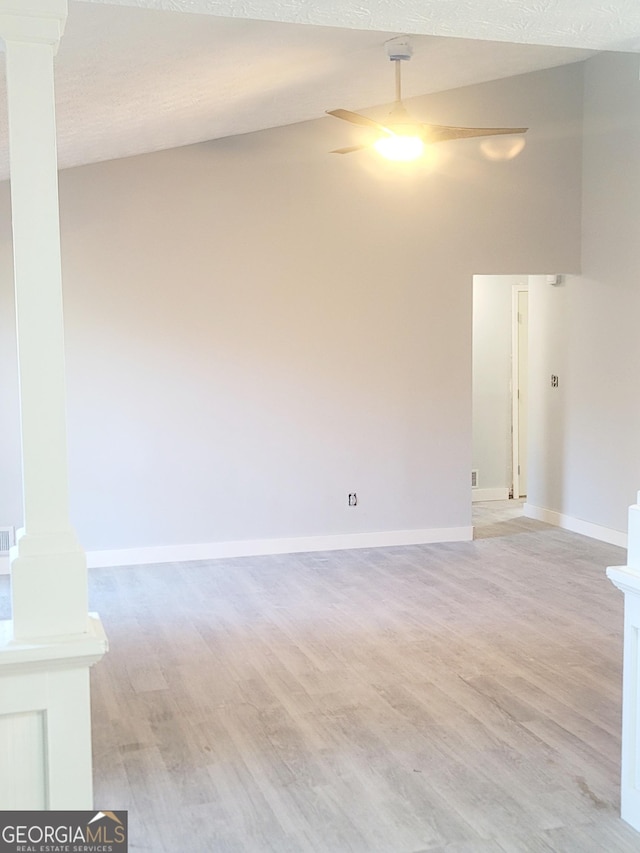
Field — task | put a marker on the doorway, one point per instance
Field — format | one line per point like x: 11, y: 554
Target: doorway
x: 500, y: 388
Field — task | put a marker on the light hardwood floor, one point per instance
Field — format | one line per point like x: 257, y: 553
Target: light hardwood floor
x: 460, y: 697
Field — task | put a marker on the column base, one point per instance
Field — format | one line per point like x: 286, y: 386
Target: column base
x: 49, y: 590
x: 45, y: 719
x: 627, y: 579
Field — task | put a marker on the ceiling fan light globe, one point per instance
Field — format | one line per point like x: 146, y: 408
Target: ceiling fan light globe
x: 400, y: 147
x: 502, y: 147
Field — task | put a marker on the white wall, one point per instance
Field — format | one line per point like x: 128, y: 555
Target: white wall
x: 588, y: 433
x: 256, y: 328
x: 491, y: 404
x: 548, y: 327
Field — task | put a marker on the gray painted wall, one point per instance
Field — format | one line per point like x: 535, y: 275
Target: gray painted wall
x: 256, y: 328
x: 548, y: 319
x: 588, y: 431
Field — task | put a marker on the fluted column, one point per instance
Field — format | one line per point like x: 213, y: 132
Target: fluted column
x: 627, y: 579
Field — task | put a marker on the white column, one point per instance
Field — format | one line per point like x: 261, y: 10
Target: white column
x: 49, y: 578
x: 47, y: 648
x: 627, y: 579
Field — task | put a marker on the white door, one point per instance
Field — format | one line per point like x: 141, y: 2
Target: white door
x: 523, y: 393
x: 519, y: 388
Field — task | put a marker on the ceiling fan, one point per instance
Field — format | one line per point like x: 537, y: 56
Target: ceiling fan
x: 402, y: 137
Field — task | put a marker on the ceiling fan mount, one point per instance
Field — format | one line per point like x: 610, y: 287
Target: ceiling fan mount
x: 403, y: 137
x: 399, y: 49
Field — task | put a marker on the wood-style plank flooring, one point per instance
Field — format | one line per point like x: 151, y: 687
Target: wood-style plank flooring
x: 459, y: 697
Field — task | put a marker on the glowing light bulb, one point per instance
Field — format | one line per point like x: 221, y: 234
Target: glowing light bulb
x: 400, y: 147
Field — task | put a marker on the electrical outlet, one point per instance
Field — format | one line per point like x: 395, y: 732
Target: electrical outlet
x: 554, y: 380
x: 353, y: 499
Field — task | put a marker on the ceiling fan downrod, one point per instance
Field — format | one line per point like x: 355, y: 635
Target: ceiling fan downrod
x: 398, y: 82
x: 399, y: 50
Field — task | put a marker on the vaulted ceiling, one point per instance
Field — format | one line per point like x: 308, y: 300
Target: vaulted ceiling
x: 134, y: 76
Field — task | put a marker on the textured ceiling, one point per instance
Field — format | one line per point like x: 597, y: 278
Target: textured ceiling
x: 131, y: 80
x: 613, y: 25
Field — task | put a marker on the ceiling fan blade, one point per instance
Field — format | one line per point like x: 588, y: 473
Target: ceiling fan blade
x: 356, y: 118
x: 443, y: 133
x: 349, y: 149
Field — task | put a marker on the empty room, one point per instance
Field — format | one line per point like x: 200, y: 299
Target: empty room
x: 251, y: 600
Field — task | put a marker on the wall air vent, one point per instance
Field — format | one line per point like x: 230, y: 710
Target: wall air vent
x: 474, y: 479
x: 6, y: 539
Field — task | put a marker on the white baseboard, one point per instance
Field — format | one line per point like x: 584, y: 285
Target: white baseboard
x: 576, y: 525
x: 263, y: 547
x: 500, y: 494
